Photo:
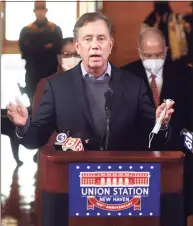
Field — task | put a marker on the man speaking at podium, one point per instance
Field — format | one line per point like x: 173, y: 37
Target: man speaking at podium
x: 75, y: 101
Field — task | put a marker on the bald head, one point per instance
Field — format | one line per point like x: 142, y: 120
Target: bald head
x: 152, y: 35
x: 152, y: 44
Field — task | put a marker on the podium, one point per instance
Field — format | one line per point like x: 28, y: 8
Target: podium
x: 54, y: 169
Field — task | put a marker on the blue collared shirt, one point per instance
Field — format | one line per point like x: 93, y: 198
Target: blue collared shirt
x: 106, y: 73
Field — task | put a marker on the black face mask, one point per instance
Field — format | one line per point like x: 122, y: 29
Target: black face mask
x: 162, y: 8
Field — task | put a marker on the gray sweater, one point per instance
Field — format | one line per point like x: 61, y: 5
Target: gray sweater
x: 95, y: 90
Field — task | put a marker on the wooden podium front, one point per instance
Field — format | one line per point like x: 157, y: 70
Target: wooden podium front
x: 54, y: 181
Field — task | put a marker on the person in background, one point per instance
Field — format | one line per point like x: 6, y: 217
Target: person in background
x: 189, y: 159
x: 39, y: 44
x: 159, y: 18
x: 164, y: 79
x: 172, y: 27
x: 188, y: 18
x: 67, y: 59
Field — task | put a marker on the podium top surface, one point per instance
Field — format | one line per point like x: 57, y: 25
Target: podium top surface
x: 49, y: 154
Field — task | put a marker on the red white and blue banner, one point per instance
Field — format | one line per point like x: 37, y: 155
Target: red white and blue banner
x: 125, y: 189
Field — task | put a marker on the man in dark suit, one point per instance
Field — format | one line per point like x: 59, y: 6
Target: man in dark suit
x: 75, y: 100
x: 171, y: 81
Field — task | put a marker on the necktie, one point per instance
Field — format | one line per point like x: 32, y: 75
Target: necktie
x: 155, y: 92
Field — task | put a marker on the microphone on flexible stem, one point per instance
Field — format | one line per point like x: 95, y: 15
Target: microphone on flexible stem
x: 108, y: 100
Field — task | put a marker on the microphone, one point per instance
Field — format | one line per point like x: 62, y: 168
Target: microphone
x: 188, y: 139
x: 108, y: 101
x: 108, y: 98
x: 72, y: 144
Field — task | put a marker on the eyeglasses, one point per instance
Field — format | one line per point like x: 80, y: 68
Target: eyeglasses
x: 69, y: 54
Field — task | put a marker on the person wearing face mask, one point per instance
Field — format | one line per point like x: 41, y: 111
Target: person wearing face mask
x: 67, y: 59
x: 172, y: 27
x: 164, y: 79
x: 159, y: 17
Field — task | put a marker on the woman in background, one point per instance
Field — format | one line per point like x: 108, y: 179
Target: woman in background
x: 67, y: 59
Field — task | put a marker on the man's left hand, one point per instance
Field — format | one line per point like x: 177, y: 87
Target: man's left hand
x: 168, y: 114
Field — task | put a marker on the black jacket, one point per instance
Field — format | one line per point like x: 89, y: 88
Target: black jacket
x: 176, y: 86
x: 40, y: 61
x: 64, y: 106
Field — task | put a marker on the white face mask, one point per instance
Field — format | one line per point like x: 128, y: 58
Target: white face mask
x: 153, y: 65
x: 68, y: 63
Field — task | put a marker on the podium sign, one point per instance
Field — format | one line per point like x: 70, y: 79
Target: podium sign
x: 114, y: 189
